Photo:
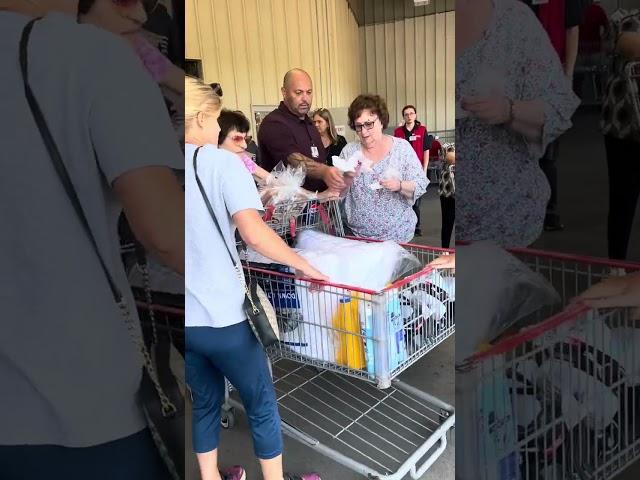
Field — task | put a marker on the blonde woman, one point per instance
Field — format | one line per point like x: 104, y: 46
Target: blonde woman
x: 333, y: 143
x: 219, y: 342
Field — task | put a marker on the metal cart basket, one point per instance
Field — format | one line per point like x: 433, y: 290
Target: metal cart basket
x: 341, y: 350
x: 560, y: 398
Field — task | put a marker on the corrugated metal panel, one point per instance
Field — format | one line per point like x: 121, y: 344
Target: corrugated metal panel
x: 248, y: 45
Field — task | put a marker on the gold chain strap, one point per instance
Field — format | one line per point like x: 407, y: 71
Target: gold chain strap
x: 243, y: 280
x: 146, y: 280
x: 168, y: 408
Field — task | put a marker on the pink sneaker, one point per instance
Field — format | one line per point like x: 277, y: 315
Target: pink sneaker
x: 301, y: 476
x: 233, y: 473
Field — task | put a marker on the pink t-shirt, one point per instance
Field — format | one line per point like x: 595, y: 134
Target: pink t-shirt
x: 154, y: 61
x: 249, y: 164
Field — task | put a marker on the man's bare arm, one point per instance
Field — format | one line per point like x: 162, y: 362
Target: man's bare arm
x: 331, y: 176
x: 314, y: 169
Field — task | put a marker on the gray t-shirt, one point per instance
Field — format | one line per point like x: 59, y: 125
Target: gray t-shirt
x: 213, y: 290
x: 69, y: 369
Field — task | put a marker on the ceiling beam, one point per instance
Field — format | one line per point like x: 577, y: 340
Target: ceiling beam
x: 371, y: 12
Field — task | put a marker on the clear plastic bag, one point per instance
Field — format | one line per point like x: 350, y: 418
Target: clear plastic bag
x: 391, y: 173
x: 360, y: 264
x: 284, y: 185
x: 499, y: 291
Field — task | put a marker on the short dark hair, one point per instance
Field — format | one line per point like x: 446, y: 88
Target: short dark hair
x: 217, y: 88
x: 229, y: 120
x: 408, y: 106
x: 373, y: 103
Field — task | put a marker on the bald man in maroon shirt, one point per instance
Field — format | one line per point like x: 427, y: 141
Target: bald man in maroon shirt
x: 287, y: 134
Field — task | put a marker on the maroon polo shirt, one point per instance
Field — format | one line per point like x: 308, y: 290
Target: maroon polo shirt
x: 282, y: 133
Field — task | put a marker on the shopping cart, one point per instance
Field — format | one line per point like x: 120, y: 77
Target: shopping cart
x: 559, y: 398
x: 287, y: 219
x: 341, y: 350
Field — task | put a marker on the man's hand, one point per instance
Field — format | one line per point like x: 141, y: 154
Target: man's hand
x: 490, y: 110
x: 334, y: 179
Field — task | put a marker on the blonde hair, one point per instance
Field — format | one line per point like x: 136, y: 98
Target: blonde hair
x: 198, y: 97
x: 326, y: 115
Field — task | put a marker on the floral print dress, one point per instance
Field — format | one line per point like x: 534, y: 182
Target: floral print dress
x: 501, y: 192
x: 382, y: 214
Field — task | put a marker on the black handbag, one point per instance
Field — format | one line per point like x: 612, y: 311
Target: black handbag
x: 260, y: 313
x: 159, y: 394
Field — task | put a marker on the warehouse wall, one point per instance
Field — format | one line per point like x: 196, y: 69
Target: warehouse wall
x: 412, y: 61
x: 248, y: 45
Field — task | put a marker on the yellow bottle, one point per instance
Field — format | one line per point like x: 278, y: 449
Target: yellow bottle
x: 349, y: 346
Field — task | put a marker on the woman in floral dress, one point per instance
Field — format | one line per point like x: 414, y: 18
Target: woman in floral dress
x: 512, y: 100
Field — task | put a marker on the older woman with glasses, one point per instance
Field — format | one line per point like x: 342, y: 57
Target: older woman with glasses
x: 379, y: 202
x: 234, y: 128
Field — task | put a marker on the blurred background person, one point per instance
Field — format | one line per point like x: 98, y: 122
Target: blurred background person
x: 591, y: 55
x: 561, y: 20
x: 621, y: 128
x: 447, y: 192
x: 416, y: 134
x: 333, y: 143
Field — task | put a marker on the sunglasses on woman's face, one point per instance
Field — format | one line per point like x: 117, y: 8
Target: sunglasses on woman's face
x: 238, y: 138
x: 149, y: 5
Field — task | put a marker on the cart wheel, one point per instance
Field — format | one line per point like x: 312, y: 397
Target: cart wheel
x: 228, y: 418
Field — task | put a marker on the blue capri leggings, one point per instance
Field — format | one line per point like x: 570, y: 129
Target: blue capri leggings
x: 232, y: 352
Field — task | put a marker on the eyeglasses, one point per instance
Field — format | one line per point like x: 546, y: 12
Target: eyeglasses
x: 367, y: 125
x: 238, y: 139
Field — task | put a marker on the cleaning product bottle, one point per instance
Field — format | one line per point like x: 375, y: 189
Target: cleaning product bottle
x: 395, y: 325
x: 349, y: 348
x: 366, y: 325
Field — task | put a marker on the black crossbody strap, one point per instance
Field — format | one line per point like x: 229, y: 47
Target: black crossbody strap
x: 54, y: 153
x: 208, y: 204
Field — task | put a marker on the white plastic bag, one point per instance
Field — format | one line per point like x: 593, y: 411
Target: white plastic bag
x: 498, y: 291
x: 391, y: 173
x: 284, y: 184
x: 360, y: 264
